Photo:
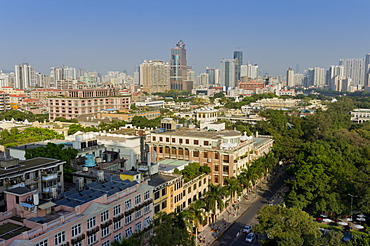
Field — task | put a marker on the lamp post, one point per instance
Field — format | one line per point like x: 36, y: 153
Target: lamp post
x: 351, y: 203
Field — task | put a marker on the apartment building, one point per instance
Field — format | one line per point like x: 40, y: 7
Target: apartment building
x: 226, y: 152
x: 43, y: 94
x: 97, y: 213
x: 45, y: 175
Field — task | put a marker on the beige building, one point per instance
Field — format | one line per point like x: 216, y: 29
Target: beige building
x: 86, y: 101
x: 226, y: 152
x: 43, y: 94
x: 155, y: 76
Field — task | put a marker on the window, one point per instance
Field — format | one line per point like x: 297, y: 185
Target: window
x: 118, y: 237
x: 216, y: 155
x: 105, y: 231
x: 91, y: 239
x: 187, y: 141
x: 196, y: 142
x: 128, y: 219
x: 154, y: 139
x: 76, y: 230
x: 195, y: 186
x: 164, y: 191
x: 117, y: 225
x: 42, y: 243
x: 157, y: 209
x: 138, y: 226
x: 216, y: 168
x: 117, y: 210
x: 164, y: 204
x: 156, y: 195
x: 189, y: 189
x: 128, y: 204
x: 128, y: 232
x: 60, y: 238
x: 106, y: 243
x: 180, y: 141
x: 196, y: 154
x: 147, y: 209
x: 146, y: 195
x: 173, y: 140
x: 91, y: 223
x: 167, y: 140
x: 206, y: 143
x: 77, y: 244
x: 138, y: 214
x: 104, y: 216
x: 137, y: 199
x: 147, y: 222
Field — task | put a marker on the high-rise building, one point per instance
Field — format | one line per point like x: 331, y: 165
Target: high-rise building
x: 227, y: 72
x: 315, y: 77
x: 290, y: 77
x: 203, y: 80
x: 298, y: 79
x: 354, y: 69
x: 179, y: 68
x: 25, y: 76
x: 367, y: 70
x: 333, y: 75
x: 238, y: 56
x: 4, y: 79
x: 155, y: 76
x: 249, y: 70
x: 211, y: 75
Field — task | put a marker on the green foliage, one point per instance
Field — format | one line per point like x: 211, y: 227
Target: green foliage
x: 22, y: 116
x: 193, y: 170
x: 173, y: 93
x: 287, y: 226
x: 172, y: 229
x: 62, y: 119
x: 248, y: 100
x: 28, y: 135
x: 140, y: 121
x: 55, y: 151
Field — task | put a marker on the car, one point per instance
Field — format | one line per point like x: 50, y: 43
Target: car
x: 247, y: 229
x: 250, y: 238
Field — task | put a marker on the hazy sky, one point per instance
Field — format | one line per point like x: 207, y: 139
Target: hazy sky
x: 107, y: 35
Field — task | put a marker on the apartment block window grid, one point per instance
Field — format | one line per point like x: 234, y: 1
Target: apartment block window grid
x: 105, y: 232
x: 128, y: 232
x: 104, y: 216
x: 138, y: 226
x: 91, y: 239
x: 138, y: 214
x: 137, y: 199
x: 128, y: 204
x: 91, y: 223
x: 42, y: 243
x: 118, y: 237
x: 117, y: 225
x: 146, y: 195
x: 60, y: 238
x: 128, y: 219
x: 76, y: 230
x: 117, y: 210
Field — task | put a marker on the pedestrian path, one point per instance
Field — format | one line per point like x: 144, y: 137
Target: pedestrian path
x: 224, y: 220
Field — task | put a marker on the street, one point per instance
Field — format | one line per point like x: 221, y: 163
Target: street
x: 231, y: 236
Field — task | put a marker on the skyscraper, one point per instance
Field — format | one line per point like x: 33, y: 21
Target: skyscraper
x: 333, y: 77
x: 290, y: 77
x: 249, y: 70
x: 212, y: 75
x: 315, y: 77
x: 25, y: 76
x: 354, y: 69
x: 227, y: 72
x: 367, y: 69
x: 238, y: 56
x: 178, y: 72
x: 155, y: 76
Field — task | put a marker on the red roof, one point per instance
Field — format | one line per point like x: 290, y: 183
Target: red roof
x: 13, y: 95
x: 7, y: 87
x: 31, y: 100
x: 49, y: 90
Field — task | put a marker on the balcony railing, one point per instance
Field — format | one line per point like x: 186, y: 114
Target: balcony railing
x: 47, y: 177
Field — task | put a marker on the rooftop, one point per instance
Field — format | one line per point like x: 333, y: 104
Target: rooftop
x: 158, y: 179
x: 203, y: 134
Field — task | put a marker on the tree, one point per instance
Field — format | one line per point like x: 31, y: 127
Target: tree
x: 75, y: 128
x: 287, y: 226
x: 233, y: 187
x: 214, y: 199
x: 171, y: 229
x: 197, y: 213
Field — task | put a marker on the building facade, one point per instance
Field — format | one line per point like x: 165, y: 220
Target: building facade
x: 25, y: 76
x: 155, y: 76
x: 354, y: 69
x: 179, y: 67
x: 227, y: 72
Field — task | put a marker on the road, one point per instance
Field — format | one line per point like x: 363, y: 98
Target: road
x: 249, y: 216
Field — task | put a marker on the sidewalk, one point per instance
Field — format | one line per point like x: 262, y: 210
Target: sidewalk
x: 213, y: 231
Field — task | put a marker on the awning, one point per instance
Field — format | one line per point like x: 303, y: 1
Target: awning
x: 26, y: 205
x: 46, y: 205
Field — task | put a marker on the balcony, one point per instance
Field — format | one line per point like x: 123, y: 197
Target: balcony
x: 47, y: 177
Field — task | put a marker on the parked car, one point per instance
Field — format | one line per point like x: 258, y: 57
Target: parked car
x: 247, y: 229
x: 250, y: 238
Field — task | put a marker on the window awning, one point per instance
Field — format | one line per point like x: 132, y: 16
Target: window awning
x: 46, y: 205
x: 26, y: 205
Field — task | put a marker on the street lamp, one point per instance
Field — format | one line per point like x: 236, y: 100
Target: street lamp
x: 351, y: 203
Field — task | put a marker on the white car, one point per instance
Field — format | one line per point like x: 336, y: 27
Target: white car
x: 250, y: 238
x: 247, y: 229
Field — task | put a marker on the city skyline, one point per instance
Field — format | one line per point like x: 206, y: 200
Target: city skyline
x: 118, y: 36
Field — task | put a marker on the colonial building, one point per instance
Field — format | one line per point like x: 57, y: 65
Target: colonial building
x: 226, y: 152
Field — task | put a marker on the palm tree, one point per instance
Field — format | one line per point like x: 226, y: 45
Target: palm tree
x: 233, y: 186
x: 214, y: 199
x: 196, y: 209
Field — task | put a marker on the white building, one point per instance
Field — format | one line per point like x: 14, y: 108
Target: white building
x: 227, y: 72
x: 249, y: 70
x: 202, y: 80
x: 25, y: 76
x: 290, y: 77
x: 354, y: 69
x: 316, y: 77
